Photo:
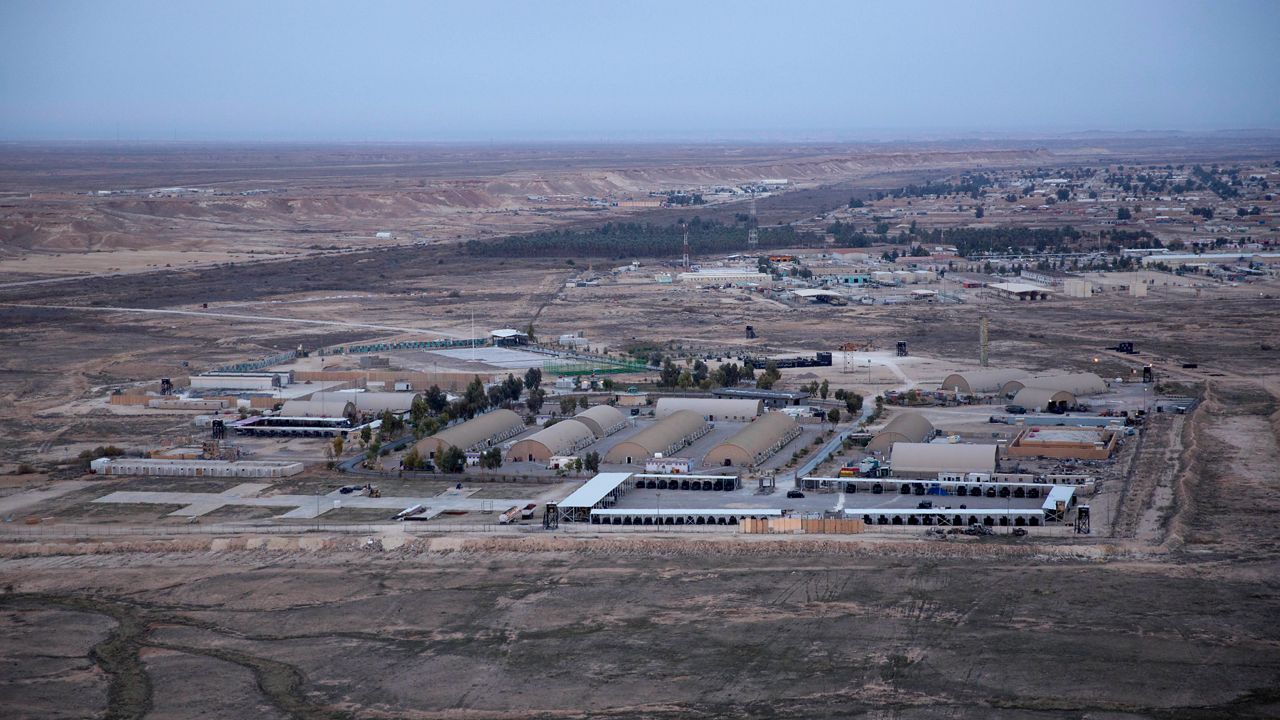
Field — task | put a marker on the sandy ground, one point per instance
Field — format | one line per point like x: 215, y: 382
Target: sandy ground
x: 114, y: 611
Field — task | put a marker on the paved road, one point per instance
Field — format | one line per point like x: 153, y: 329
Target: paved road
x: 237, y: 317
x: 307, y: 506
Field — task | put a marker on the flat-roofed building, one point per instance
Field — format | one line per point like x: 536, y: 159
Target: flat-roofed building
x: 1065, y: 443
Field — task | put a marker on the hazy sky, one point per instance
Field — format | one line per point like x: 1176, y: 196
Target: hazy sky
x: 477, y: 70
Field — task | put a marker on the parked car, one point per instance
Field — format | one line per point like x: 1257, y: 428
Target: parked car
x: 1015, y: 409
x: 793, y: 494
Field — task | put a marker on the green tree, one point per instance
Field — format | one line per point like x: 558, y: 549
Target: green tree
x: 833, y: 415
x: 685, y: 380
x: 533, y: 378
x: 700, y: 371
x: 411, y: 460
x: 338, y: 443
x: 583, y: 402
x: 437, y: 401
x: 592, y: 462
x: 453, y: 460
x: 670, y: 374
x: 366, y: 435
x: 979, y: 212
x: 418, y: 409
x: 534, y: 401
x: 567, y: 404
x: 577, y: 465
x: 1123, y: 214
x: 853, y: 403
x: 491, y: 459
x: 824, y: 389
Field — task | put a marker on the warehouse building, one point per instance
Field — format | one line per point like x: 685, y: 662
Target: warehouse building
x: 479, y: 433
x: 926, y: 460
x: 194, y: 468
x: 341, y: 406
x: 712, y: 409
x: 1035, y: 399
x: 604, y: 420
x: 1078, y: 384
x: 907, y: 427
x: 756, y: 442
x: 667, y: 436
x: 563, y: 438
x: 1020, y: 291
x: 979, y: 382
x: 372, y: 403
x: 771, y: 398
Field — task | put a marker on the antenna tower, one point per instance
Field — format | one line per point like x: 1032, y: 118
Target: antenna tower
x: 982, y: 341
x: 686, y: 246
x: 753, y: 235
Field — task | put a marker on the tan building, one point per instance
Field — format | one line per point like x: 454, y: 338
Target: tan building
x: 926, y: 460
x: 1077, y: 384
x: 1066, y: 443
x: 563, y: 438
x: 327, y: 407
x: 906, y: 427
x: 979, y: 382
x: 756, y: 442
x: 713, y: 409
x: 479, y: 433
x: 667, y: 436
x: 1043, y: 399
x: 604, y: 420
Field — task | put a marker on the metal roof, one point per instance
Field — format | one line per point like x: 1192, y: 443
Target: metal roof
x: 735, y: 512
x: 942, y: 457
x: 909, y: 427
x: 1074, y: 383
x: 594, y: 490
x: 372, y: 402
x: 660, y: 436
x: 477, y: 430
x: 602, y: 419
x: 1036, y: 398
x: 563, y: 437
x: 980, y: 381
x: 1013, y: 287
x: 761, y: 393
x: 760, y: 434
x: 1059, y: 492
x: 940, y: 511
x: 734, y: 407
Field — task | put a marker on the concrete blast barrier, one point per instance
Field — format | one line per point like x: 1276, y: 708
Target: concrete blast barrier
x: 808, y: 526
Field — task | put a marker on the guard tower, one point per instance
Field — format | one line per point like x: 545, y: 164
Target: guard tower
x: 550, y: 517
x: 1082, y: 520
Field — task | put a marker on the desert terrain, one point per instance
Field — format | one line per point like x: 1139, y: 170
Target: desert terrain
x: 123, y: 611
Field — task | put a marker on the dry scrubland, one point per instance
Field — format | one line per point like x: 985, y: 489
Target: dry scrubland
x: 1173, y: 617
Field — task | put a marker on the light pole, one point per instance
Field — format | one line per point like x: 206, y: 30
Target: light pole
x: 659, y: 508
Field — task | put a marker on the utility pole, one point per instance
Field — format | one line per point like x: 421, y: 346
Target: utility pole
x: 686, y: 246
x: 982, y: 339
